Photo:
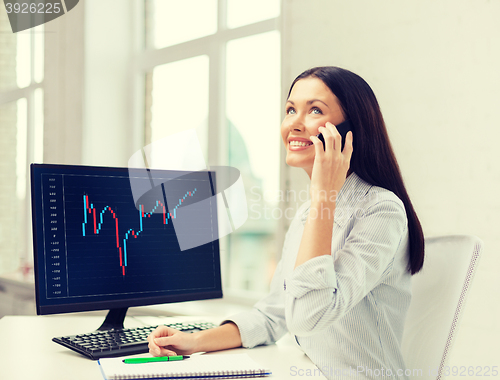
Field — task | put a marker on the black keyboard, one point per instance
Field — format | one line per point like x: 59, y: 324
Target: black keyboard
x: 109, y: 343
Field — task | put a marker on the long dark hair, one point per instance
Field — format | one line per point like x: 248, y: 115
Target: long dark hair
x: 372, y: 159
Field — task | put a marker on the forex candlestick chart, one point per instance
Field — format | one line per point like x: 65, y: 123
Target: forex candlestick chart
x: 98, y: 242
x: 88, y: 208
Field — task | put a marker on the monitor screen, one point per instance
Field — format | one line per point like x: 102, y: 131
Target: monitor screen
x: 109, y: 238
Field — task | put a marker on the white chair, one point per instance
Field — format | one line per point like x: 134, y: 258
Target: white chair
x: 439, y: 292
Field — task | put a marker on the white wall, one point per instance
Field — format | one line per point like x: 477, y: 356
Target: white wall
x: 434, y: 68
x: 63, y: 88
x: 108, y: 115
x: 88, y: 86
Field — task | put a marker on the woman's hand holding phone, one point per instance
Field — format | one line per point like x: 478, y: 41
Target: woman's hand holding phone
x: 328, y: 175
x: 331, y: 164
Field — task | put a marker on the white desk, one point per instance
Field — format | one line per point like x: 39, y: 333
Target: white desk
x: 28, y: 353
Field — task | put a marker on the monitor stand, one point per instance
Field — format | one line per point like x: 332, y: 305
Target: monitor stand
x: 114, y: 319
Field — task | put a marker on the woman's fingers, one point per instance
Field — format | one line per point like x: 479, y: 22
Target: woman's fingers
x: 157, y: 350
x: 164, y: 341
x: 160, y: 332
x: 348, y: 146
x: 158, y: 339
x: 166, y: 352
x: 154, y: 349
x: 318, y: 145
x: 333, y: 139
x: 161, y: 351
x: 168, y: 341
x: 328, y: 137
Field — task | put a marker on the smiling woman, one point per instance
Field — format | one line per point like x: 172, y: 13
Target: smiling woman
x: 343, y: 285
x: 309, y: 106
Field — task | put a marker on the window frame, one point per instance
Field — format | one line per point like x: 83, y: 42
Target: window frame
x: 13, y: 95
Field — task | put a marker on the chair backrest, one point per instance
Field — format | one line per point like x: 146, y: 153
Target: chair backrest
x: 439, y: 292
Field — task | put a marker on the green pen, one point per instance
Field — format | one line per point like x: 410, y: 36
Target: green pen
x: 155, y: 359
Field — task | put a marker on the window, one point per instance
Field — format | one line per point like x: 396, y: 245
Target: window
x: 21, y: 128
x: 218, y: 71
x: 253, y: 120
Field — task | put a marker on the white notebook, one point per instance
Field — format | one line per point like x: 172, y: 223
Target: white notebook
x: 196, y: 367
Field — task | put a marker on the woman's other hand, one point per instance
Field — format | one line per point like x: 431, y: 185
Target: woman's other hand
x: 166, y: 341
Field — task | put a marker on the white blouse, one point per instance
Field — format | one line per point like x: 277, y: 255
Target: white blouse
x: 347, y: 310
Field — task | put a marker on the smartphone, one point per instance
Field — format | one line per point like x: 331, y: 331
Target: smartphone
x: 343, y: 128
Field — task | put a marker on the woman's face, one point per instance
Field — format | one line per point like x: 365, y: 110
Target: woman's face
x: 310, y: 105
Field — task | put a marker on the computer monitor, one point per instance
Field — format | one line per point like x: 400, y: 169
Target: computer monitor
x: 108, y: 238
